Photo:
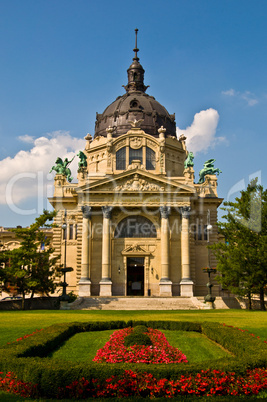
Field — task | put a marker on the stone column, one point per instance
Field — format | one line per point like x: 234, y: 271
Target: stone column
x: 186, y: 284
x: 85, y: 283
x: 165, y: 284
x: 105, y: 283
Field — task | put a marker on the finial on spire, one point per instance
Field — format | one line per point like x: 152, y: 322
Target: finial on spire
x: 135, y: 73
x: 136, y: 48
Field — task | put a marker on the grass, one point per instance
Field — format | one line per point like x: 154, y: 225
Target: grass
x: 196, y: 347
x: 82, y: 346
x: 14, y: 324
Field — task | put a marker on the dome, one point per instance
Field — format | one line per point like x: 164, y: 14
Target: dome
x: 135, y: 105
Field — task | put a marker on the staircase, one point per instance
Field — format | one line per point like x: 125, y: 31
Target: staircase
x: 133, y: 303
x: 150, y: 303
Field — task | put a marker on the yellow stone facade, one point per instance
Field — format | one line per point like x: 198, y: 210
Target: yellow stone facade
x: 167, y: 264
x: 136, y: 220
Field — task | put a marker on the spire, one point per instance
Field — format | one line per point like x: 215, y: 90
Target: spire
x: 135, y: 73
x: 136, y: 48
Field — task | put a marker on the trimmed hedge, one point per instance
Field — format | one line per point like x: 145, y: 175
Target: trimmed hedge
x: 138, y: 337
x: 29, y: 358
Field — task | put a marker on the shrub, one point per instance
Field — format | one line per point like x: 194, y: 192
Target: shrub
x: 28, y: 359
x: 137, y: 339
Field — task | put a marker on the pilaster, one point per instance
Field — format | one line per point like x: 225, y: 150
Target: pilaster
x: 186, y: 284
x: 105, y: 283
x: 165, y: 284
x: 85, y: 283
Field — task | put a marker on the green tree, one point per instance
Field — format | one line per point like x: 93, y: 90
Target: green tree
x: 32, y: 268
x: 242, y: 257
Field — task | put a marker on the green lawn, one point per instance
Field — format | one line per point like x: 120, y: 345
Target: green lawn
x: 14, y: 324
x: 82, y: 346
x: 196, y: 347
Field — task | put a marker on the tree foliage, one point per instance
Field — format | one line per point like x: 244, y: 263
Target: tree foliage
x: 33, y: 267
x: 242, y: 257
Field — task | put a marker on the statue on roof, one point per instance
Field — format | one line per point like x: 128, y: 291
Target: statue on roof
x: 189, y: 160
x: 83, y: 160
x: 208, y: 169
x: 61, y: 167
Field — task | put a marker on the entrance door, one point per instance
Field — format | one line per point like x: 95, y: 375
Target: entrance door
x: 135, y: 276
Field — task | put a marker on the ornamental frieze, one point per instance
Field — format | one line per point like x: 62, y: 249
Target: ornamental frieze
x: 138, y: 184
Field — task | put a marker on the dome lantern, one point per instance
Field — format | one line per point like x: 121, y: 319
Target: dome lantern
x: 135, y: 104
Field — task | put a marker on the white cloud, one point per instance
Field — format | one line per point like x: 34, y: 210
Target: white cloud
x: 27, y: 174
x: 247, y: 96
x: 201, y: 135
x: 230, y: 92
x: 26, y: 138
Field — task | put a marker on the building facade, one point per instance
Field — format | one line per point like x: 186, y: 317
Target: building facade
x: 137, y: 223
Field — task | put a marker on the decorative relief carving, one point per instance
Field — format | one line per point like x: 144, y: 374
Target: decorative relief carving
x: 86, y: 211
x: 107, y: 212
x: 135, y: 164
x: 137, y: 184
x: 152, y: 145
x: 165, y: 211
x: 135, y: 248
x: 119, y: 145
x: 135, y: 123
x: 185, y: 212
x: 136, y: 142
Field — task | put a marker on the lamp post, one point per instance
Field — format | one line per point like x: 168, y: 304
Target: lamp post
x: 209, y: 298
x: 64, y: 297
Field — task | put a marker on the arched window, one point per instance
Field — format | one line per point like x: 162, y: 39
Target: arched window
x: 135, y: 154
x: 135, y: 226
x: 121, y: 159
x: 150, y: 159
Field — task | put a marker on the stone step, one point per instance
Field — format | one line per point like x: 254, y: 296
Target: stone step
x: 134, y: 303
x: 150, y: 303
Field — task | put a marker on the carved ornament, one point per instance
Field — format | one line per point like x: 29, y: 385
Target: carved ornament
x: 135, y: 249
x: 135, y: 123
x: 136, y: 142
x: 137, y: 184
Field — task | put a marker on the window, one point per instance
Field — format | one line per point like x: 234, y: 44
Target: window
x: 135, y: 226
x: 121, y: 159
x: 135, y: 154
x: 205, y: 233
x: 71, y: 231
x: 150, y: 159
x: 199, y: 232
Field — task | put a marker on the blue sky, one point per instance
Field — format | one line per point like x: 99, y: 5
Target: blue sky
x: 64, y: 60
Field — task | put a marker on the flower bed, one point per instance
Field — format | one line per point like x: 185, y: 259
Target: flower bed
x: 30, y: 367
x: 130, y: 383
x: 205, y: 383
x: 161, y: 351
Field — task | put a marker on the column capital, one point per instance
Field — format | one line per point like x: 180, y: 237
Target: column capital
x: 107, y: 211
x: 165, y: 211
x: 86, y: 210
x: 185, y: 212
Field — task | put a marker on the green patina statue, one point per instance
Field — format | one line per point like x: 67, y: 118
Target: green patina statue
x: 62, y: 168
x: 189, y: 160
x: 83, y: 160
x: 208, y: 169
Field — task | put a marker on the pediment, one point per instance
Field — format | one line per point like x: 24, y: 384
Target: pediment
x: 137, y: 180
x: 135, y: 249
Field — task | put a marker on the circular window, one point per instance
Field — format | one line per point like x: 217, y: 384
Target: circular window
x: 134, y: 104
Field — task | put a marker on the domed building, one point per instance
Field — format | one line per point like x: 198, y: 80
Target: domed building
x: 136, y: 222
